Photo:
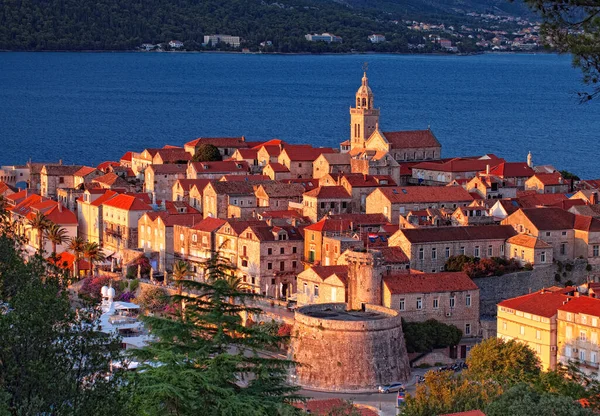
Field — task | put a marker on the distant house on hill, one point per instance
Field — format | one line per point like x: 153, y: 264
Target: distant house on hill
x: 176, y: 44
x: 324, y: 37
x: 375, y: 38
x: 233, y: 41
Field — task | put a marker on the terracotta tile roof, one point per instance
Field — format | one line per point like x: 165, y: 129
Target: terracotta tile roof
x: 308, y: 184
x: 224, y: 166
x: 102, y: 199
x: 247, y: 178
x: 281, y: 214
x: 17, y: 197
x: 416, y: 194
x: 84, y: 171
x: 168, y: 169
x: 327, y: 271
x: 429, y: 282
x: 248, y: 153
x: 326, y: 224
x: 328, y: 192
x: 209, y: 224
x: 308, y: 154
x: 393, y: 255
x: 538, y: 200
x: 173, y: 155
x: 282, y: 190
x: 524, y: 240
x: 457, y: 165
x: 588, y: 210
x: 185, y: 220
x: 6, y: 187
x: 268, y: 233
x: 585, y: 223
x: 128, y: 202
x: 60, y: 170
x: 582, y: 304
x: 104, y: 166
x: 231, y: 142
x: 591, y: 183
x: 55, y: 212
x: 111, y: 179
x: 512, y: 170
x: 24, y: 202
x: 550, y: 218
x: 65, y: 261
x: 238, y: 225
x: 548, y: 179
x: 411, y: 139
x: 232, y: 188
x: 358, y: 180
x: 278, y: 167
x: 337, y: 158
x: 360, y: 219
x: 126, y: 157
x: 188, y: 184
x: 541, y: 303
x: 476, y: 232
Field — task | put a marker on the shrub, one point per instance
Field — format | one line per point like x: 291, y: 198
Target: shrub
x: 476, y: 267
x: 588, y: 268
x: 91, y: 287
x: 568, y: 267
x: 569, y: 283
x: 425, y: 336
x: 207, y: 153
x: 127, y: 296
x: 528, y: 266
x: 557, y: 277
x: 153, y: 299
x: 133, y: 285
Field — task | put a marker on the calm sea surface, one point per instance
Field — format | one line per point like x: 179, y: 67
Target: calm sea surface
x: 91, y: 107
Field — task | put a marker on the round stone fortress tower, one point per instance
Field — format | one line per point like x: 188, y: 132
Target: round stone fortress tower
x: 355, y: 346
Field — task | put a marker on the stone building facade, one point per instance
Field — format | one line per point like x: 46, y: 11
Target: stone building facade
x: 160, y: 179
x: 121, y: 215
x: 326, y: 200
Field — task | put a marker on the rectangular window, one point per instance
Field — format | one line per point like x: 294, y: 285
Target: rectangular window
x: 436, y: 303
x: 594, y: 338
x: 306, y: 289
x: 294, y: 250
x: 476, y: 251
x: 294, y: 264
x: 504, y: 326
x: 281, y: 266
x: 568, y: 351
x: 452, y: 301
x: 269, y: 251
x: 447, y: 252
x: 564, y: 233
x: 316, y: 291
x: 522, y: 254
x: 543, y: 257
x: 282, y: 250
x: 582, y: 336
x: 244, y: 251
x: 522, y: 330
x: 563, y: 248
x: 401, y: 307
x: 468, y: 300
x: 538, y: 334
x: 467, y: 329
x: 433, y: 253
x: 581, y: 355
x: 595, y: 250
x: 594, y: 321
x: 547, y: 233
x: 419, y: 303
x: 490, y: 251
x: 269, y: 266
x: 593, y: 357
x: 421, y: 254
x: 462, y: 251
x: 322, y: 205
x: 502, y: 249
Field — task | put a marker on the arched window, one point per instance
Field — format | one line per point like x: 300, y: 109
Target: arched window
x: 364, y: 102
x: 358, y: 102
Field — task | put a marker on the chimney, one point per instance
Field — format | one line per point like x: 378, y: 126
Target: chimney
x: 60, y: 161
x: 594, y: 198
x: 487, y: 170
x: 60, y: 207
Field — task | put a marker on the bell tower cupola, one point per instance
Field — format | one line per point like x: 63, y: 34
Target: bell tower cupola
x: 364, y: 118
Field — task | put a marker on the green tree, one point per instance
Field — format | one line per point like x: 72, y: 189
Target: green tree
x: 205, y: 361
x: 76, y: 245
x: 523, y: 400
x: 207, y: 153
x: 94, y: 254
x: 507, y: 362
x: 52, y: 361
x: 39, y: 223
x: 573, y: 26
x: 425, y: 336
x: 56, y: 235
x: 444, y: 392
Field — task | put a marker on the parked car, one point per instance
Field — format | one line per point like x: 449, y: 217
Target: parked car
x: 392, y: 387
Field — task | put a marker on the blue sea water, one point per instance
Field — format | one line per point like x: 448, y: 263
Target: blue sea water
x: 91, y: 107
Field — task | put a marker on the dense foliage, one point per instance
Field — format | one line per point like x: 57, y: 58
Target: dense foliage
x: 573, y: 26
x: 504, y: 379
x: 477, y: 267
x: 112, y: 25
x: 205, y: 361
x: 207, y: 152
x: 425, y: 336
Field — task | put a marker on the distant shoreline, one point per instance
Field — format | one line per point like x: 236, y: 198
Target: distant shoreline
x: 541, y: 52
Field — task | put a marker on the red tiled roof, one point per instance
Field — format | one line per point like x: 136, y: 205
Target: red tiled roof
x: 326, y: 271
x: 393, y: 255
x: 105, y: 165
x: 585, y: 223
x: 528, y: 241
x: 172, y: 155
x: 326, y: 224
x: 538, y: 200
x: 548, y: 179
x: 168, y: 169
x: 358, y: 180
x: 308, y: 154
x: 111, y: 179
x: 65, y: 260
x: 245, y: 178
x: 84, y: 171
x: 360, y: 219
x: 542, y: 303
x: 281, y: 214
x: 248, y: 153
x: 582, y: 304
x: 102, y: 199
x: 278, y: 167
x: 54, y: 211
x: 188, y: 184
x: 549, y: 218
x: 476, y: 232
x: 411, y: 139
x: 224, y: 166
x: 328, y: 192
x: 512, y: 170
x: 128, y: 202
x: 457, y: 165
x: 231, y: 142
x: 209, y: 224
x: 414, y: 194
x: 429, y: 282
x: 127, y: 157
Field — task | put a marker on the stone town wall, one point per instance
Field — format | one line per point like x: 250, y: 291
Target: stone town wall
x: 495, y: 289
x: 353, y: 356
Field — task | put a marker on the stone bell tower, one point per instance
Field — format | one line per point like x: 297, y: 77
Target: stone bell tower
x: 364, y: 119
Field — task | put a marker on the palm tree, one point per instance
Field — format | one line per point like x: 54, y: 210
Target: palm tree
x: 40, y: 223
x: 76, y: 245
x: 181, y: 270
x: 56, y: 235
x: 93, y: 253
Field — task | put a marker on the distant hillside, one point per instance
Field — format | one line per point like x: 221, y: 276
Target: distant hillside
x: 125, y: 25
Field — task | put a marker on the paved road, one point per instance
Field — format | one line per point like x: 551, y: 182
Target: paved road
x: 386, y: 403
